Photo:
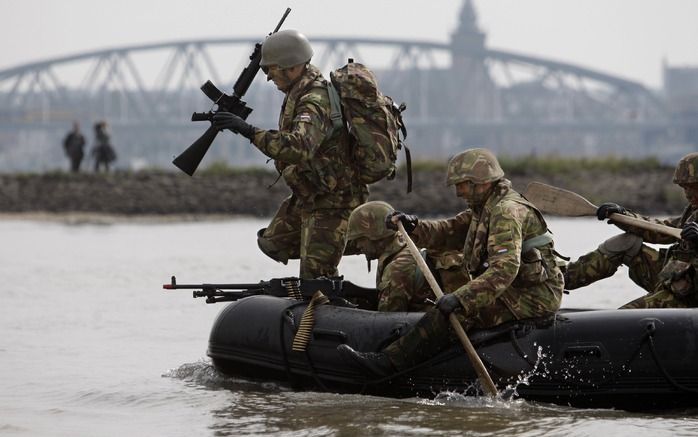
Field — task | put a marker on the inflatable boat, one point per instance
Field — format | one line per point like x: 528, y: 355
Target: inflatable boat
x: 628, y: 359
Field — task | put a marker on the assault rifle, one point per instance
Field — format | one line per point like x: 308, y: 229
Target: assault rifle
x: 301, y: 289
x: 190, y: 159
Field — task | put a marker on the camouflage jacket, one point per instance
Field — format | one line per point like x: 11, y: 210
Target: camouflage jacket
x: 681, y: 258
x: 400, y: 284
x: 529, y: 284
x: 312, y: 157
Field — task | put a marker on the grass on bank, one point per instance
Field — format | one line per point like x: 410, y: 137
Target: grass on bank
x: 534, y: 165
x: 552, y: 165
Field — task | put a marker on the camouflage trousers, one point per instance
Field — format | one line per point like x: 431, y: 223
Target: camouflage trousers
x: 316, y: 237
x: 433, y: 333
x: 644, y: 270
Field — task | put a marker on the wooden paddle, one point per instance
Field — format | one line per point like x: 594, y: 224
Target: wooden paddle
x: 483, y: 376
x: 554, y: 200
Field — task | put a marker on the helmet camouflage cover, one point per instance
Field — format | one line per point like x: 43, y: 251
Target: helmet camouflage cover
x: 687, y: 170
x: 286, y: 48
x: 368, y: 221
x: 477, y: 165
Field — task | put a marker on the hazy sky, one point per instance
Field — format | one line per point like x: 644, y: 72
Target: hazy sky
x: 623, y: 37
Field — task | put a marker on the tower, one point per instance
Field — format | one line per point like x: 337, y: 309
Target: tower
x: 474, y: 93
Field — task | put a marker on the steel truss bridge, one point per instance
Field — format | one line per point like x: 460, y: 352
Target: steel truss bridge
x: 456, y: 97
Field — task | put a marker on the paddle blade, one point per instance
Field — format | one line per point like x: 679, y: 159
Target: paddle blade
x: 554, y: 200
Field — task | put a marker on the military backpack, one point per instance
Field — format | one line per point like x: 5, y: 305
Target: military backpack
x: 373, y: 120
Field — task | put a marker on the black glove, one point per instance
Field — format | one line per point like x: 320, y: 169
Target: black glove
x: 228, y: 120
x: 607, y: 209
x: 408, y: 221
x: 447, y: 304
x: 690, y: 233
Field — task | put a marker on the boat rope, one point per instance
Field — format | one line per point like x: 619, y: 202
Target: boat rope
x: 282, y: 343
x: 517, y: 348
x: 649, y: 337
x: 319, y: 299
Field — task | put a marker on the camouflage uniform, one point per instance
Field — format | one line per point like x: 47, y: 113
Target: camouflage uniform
x: 506, y: 284
x: 668, y: 275
x: 653, y: 270
x: 400, y: 283
x: 314, y: 161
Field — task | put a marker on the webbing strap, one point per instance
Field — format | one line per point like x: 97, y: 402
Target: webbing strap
x: 335, y: 106
x: 538, y: 241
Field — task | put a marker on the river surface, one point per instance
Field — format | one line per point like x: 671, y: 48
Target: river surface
x: 90, y: 344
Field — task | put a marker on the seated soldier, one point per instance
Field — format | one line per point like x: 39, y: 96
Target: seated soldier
x: 669, y: 275
x: 507, y: 251
x: 401, y: 285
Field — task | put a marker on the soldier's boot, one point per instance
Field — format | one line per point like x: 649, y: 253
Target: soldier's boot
x: 376, y: 363
x: 602, y: 262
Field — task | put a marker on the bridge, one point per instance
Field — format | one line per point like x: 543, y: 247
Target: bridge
x: 459, y: 93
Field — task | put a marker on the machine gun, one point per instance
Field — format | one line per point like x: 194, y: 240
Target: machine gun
x: 300, y: 289
x: 190, y: 159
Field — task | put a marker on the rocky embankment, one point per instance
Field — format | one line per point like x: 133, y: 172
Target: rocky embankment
x: 248, y: 192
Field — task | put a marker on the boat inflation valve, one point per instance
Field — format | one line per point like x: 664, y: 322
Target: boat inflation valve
x: 305, y: 327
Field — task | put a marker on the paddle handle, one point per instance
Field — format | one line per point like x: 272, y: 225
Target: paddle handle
x: 475, y: 360
x: 643, y: 224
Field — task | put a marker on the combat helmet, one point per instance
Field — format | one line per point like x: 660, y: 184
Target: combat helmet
x: 368, y: 221
x: 687, y: 170
x: 477, y: 165
x: 286, y: 48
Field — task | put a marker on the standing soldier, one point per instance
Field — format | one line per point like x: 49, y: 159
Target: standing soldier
x: 74, y: 147
x: 103, y: 152
x: 401, y: 285
x: 312, y: 157
x: 507, y: 250
x: 669, y: 275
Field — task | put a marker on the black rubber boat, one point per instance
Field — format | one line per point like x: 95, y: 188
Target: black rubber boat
x: 638, y: 360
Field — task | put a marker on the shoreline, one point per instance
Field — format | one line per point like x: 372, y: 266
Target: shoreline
x: 160, y: 196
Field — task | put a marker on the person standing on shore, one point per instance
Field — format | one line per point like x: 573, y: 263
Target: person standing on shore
x: 103, y: 152
x: 311, y: 156
x: 670, y: 276
x: 74, y: 147
x: 507, y: 251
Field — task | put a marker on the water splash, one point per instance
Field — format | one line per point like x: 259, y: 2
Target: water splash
x: 540, y: 368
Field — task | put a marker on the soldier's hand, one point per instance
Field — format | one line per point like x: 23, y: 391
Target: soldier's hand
x: 228, y: 120
x: 690, y: 233
x: 607, y: 209
x: 447, y: 304
x: 408, y: 221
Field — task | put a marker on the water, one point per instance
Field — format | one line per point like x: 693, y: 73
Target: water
x: 90, y: 345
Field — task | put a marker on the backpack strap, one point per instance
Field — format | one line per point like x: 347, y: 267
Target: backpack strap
x: 335, y: 107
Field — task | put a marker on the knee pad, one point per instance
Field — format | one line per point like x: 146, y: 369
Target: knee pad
x: 625, y: 245
x: 270, y: 249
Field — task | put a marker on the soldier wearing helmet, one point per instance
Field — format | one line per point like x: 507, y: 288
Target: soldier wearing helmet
x: 401, y: 285
x: 507, y: 252
x: 668, y: 275
x: 311, y: 156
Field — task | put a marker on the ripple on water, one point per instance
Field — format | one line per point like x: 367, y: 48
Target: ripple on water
x: 202, y: 374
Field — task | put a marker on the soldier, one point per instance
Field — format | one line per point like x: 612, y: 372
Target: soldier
x: 507, y: 251
x: 401, y: 285
x: 103, y: 152
x: 74, y: 147
x: 312, y: 157
x: 669, y: 275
